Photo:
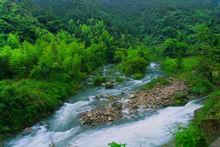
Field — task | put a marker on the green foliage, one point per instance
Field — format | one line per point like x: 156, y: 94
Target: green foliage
x: 56, y: 57
x: 99, y: 80
x: 132, y: 66
x: 13, y: 41
x: 187, y: 70
x: 180, y: 99
x: 194, y: 136
x: 26, y: 101
x: 189, y: 64
x: 174, y: 48
x: 119, y: 79
x: 211, y: 107
x: 120, y: 54
x: 133, y: 60
x: 159, y: 81
x: 156, y: 18
x: 138, y: 75
x: 200, y: 86
x: 114, y: 144
x: 190, y: 137
x: 17, y: 18
x: 5, y: 70
x: 169, y: 65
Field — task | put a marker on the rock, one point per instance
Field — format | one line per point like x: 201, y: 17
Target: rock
x: 117, y: 105
x: 112, y: 97
x: 27, y: 131
x: 131, y: 96
x: 148, y: 100
x: 210, y: 126
x: 89, y: 114
x: 159, y: 96
x: 99, y: 116
x: 216, y: 143
x: 109, y: 85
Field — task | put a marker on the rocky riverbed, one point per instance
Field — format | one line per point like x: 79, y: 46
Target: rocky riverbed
x: 145, y: 100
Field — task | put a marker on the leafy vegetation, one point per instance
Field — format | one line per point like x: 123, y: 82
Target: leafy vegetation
x: 190, y: 137
x: 26, y: 101
x: 195, y: 135
x: 114, y: 144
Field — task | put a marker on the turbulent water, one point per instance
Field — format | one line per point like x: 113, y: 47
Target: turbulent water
x: 63, y: 129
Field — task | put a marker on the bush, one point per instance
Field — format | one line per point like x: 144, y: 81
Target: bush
x: 114, y: 144
x: 199, y: 85
x: 134, y: 65
x: 26, y: 101
x: 169, y: 65
x: 99, y: 80
x: 138, y: 75
x: 119, y: 79
x: 189, y: 64
x: 190, y: 137
x: 211, y: 107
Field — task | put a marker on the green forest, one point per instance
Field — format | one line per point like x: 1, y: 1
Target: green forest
x: 48, y: 48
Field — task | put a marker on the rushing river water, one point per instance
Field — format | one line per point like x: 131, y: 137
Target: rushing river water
x: 63, y: 129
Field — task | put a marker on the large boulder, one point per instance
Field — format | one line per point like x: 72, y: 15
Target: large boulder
x: 216, y: 143
x: 27, y: 131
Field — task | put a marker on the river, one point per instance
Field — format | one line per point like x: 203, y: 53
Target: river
x: 63, y: 128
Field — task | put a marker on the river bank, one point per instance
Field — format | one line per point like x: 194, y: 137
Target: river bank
x: 204, y: 129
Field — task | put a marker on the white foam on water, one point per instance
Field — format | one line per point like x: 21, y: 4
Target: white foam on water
x: 68, y: 112
x: 42, y: 138
x: 149, y: 132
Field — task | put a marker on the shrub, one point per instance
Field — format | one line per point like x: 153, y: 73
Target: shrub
x: 134, y: 65
x: 138, y: 75
x: 99, y: 80
x: 189, y: 64
x: 169, y: 65
x: 211, y: 107
x: 119, y: 79
x: 190, y: 137
x: 26, y: 101
x: 199, y: 85
x: 114, y: 144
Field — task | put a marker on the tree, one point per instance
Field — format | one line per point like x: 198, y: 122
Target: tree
x: 5, y: 70
x: 174, y: 48
x: 13, y: 41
